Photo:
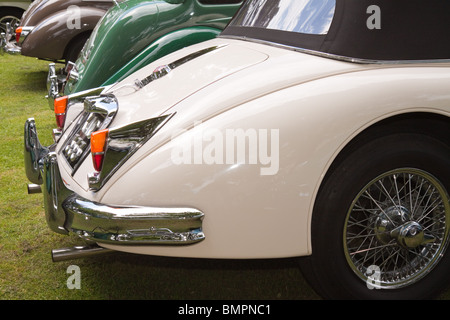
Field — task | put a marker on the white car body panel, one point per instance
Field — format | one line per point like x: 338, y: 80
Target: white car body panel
x: 16, y: 4
x: 316, y: 104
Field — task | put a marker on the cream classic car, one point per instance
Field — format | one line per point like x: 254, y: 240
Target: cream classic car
x: 11, y: 11
x: 310, y: 128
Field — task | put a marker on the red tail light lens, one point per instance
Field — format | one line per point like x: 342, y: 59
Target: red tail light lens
x: 98, y: 147
x: 60, y: 105
x: 18, y: 32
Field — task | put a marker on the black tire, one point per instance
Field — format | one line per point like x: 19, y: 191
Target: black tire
x: 74, y: 48
x: 334, y: 270
x: 10, y: 15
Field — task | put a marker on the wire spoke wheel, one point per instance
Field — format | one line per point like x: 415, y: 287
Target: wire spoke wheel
x: 396, y: 229
x: 13, y: 22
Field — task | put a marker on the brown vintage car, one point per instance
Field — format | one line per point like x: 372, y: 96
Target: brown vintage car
x: 55, y: 30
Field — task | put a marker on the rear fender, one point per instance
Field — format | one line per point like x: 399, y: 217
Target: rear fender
x: 168, y: 43
x: 50, y: 38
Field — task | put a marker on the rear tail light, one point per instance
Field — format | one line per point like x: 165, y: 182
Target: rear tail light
x: 22, y: 33
x: 110, y: 148
x: 60, y: 105
x: 98, y: 147
x: 18, y: 32
x: 97, y: 115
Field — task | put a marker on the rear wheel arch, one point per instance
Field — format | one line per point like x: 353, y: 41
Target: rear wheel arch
x: 18, y: 12
x: 75, y: 46
x: 433, y: 125
x: 430, y: 132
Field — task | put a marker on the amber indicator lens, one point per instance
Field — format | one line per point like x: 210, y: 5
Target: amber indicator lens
x: 60, y: 106
x: 18, y: 33
x: 98, y: 146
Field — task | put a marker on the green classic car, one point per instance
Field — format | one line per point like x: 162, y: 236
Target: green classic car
x: 134, y: 33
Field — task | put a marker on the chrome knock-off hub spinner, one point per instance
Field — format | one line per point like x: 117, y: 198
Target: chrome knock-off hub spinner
x: 388, y: 220
x: 395, y: 223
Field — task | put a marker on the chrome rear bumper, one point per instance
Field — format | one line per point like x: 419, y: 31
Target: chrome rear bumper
x: 67, y: 212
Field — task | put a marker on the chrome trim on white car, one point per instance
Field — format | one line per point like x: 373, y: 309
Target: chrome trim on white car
x: 122, y: 143
x: 68, y: 212
x: 133, y: 225
x: 98, y: 114
x: 335, y: 56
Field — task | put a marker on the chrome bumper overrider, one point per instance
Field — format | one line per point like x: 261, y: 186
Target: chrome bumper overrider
x: 55, y: 84
x: 68, y: 212
x: 6, y: 45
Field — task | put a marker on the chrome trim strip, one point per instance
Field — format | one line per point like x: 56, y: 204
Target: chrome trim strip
x: 78, y: 252
x: 334, y: 56
x: 56, y: 133
x: 106, y: 105
x: 164, y: 70
x: 82, y: 95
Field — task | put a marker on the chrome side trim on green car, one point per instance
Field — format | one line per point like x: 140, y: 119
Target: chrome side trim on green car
x: 163, y: 46
x: 134, y: 33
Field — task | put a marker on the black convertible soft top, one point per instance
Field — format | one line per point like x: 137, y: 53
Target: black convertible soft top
x: 380, y: 30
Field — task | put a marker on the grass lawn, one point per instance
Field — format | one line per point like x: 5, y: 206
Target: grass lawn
x: 26, y: 269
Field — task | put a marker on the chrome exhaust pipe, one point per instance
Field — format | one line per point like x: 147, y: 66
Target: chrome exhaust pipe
x: 77, y: 252
x: 34, y: 188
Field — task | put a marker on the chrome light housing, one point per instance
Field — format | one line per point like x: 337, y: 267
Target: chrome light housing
x: 22, y: 33
x: 98, y: 114
x: 121, y: 144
